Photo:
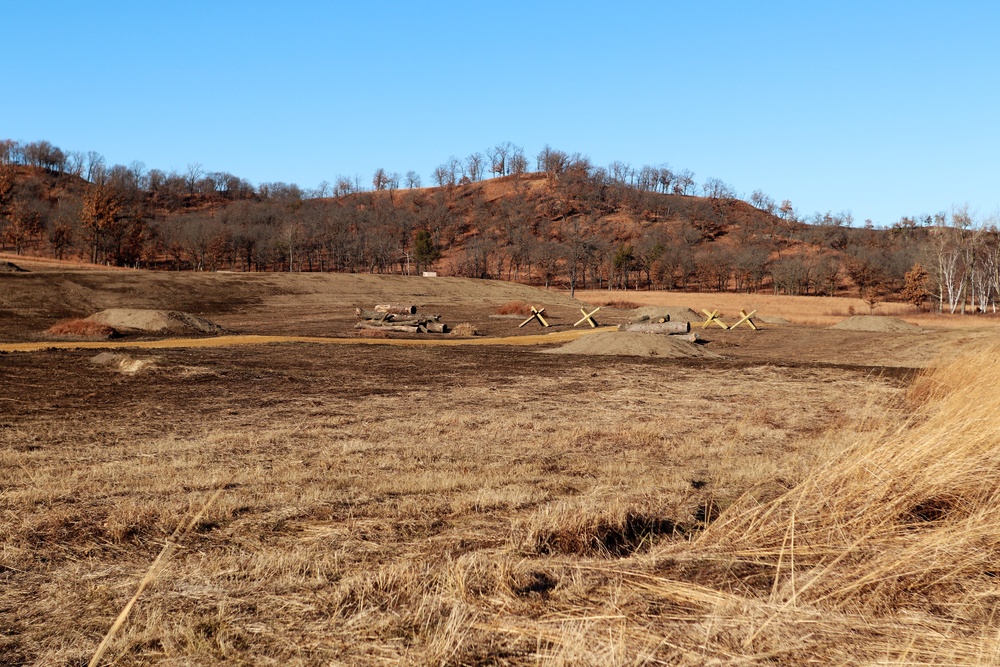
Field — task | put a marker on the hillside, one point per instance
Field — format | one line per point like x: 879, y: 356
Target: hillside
x: 572, y: 225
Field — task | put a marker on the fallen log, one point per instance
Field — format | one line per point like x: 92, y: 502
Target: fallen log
x: 400, y: 328
x: 395, y: 309
x: 436, y: 327
x: 657, y: 327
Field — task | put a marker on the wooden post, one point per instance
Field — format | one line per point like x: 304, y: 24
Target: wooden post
x: 588, y: 318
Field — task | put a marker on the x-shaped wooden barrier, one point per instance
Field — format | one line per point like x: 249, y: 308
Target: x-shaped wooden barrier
x: 588, y: 318
x: 713, y: 318
x: 536, y: 314
x: 746, y: 317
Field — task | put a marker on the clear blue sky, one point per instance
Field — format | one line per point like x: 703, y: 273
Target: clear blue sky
x: 880, y: 108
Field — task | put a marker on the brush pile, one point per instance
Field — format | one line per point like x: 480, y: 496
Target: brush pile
x: 399, y: 319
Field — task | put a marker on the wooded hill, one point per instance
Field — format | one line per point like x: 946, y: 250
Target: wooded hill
x: 569, y: 224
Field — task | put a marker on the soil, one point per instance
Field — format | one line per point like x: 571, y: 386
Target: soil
x: 876, y: 323
x: 626, y: 344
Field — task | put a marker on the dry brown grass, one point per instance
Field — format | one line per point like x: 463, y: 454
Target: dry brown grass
x: 621, y: 304
x: 812, y: 310
x: 463, y: 330
x: 514, y: 308
x: 369, y: 516
x: 81, y: 328
x: 399, y: 502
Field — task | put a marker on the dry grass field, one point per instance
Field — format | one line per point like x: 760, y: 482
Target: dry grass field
x: 804, y: 495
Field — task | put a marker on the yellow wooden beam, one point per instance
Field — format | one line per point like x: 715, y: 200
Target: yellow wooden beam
x: 713, y: 318
x: 588, y: 318
x: 746, y: 317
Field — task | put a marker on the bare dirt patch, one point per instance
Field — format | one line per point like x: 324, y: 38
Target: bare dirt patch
x: 627, y: 344
x: 876, y: 323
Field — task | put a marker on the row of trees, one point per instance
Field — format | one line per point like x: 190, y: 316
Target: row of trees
x: 569, y: 231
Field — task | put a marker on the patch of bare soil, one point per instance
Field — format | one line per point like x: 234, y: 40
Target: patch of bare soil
x: 11, y: 267
x: 154, y: 321
x: 876, y: 323
x: 675, y: 313
x: 628, y: 344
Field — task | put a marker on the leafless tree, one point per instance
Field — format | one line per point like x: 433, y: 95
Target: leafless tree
x: 474, y: 166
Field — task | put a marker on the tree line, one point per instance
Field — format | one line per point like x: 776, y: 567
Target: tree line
x: 556, y: 218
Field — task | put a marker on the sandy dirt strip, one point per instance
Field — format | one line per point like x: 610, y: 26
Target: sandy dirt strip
x: 231, y: 341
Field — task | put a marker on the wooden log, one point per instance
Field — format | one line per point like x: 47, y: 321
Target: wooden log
x: 658, y: 327
x: 395, y: 309
x: 399, y: 328
x: 365, y: 314
x: 436, y: 327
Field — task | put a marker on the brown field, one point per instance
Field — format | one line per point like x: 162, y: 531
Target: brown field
x: 802, y: 495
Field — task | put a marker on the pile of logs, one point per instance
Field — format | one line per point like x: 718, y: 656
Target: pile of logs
x: 400, y: 319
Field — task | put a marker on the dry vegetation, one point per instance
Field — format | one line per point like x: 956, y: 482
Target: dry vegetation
x: 786, y: 502
x: 77, y: 327
x: 514, y: 308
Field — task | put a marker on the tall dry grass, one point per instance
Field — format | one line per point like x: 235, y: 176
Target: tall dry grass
x: 889, y: 554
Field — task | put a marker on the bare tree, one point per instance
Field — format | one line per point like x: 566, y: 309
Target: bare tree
x: 683, y: 182
x: 192, y: 175
x: 474, y: 166
x: 380, y: 180
x: 412, y: 179
x: 517, y: 162
x: 716, y: 188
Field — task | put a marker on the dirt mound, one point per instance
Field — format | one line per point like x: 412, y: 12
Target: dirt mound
x: 876, y: 323
x: 11, y: 267
x: 124, y: 363
x: 675, y: 313
x: 627, y: 344
x: 154, y: 321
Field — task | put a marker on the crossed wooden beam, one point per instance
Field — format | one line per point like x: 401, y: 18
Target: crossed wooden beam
x: 746, y: 317
x: 536, y: 314
x: 713, y: 318
x: 588, y: 318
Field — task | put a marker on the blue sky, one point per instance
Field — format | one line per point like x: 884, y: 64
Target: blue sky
x: 883, y: 109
